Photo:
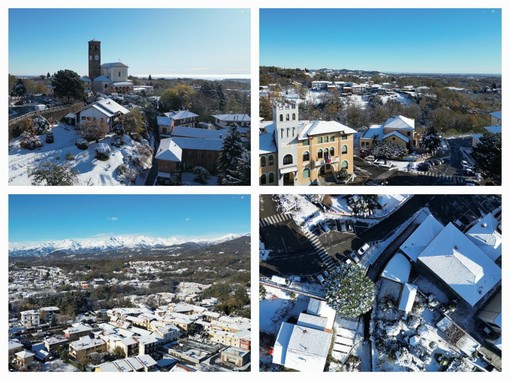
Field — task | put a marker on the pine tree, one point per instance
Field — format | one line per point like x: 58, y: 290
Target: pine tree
x: 430, y: 139
x: 233, y: 161
x: 487, y: 156
x: 349, y: 291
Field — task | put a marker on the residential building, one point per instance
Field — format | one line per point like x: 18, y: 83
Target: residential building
x: 141, y: 363
x: 14, y: 347
x: 491, y: 313
x: 77, y: 331
x: 398, y: 130
x: 23, y: 358
x: 30, y: 318
x: 225, y: 121
x: 53, y: 342
x: 300, y: 151
x: 106, y: 111
x: 495, y: 118
x: 235, y: 356
x: 181, y: 118
x: 85, y: 345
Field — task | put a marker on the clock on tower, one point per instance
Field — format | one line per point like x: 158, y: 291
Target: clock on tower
x: 94, y: 59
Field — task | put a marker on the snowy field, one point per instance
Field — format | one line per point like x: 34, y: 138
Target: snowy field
x: 91, y: 171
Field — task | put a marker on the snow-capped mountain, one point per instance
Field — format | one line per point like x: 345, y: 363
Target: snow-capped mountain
x: 108, y: 243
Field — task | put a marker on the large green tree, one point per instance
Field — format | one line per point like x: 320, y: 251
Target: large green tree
x: 349, y: 291
x: 487, y: 156
x: 67, y: 84
x: 177, y: 97
x: 234, y: 160
x: 134, y: 122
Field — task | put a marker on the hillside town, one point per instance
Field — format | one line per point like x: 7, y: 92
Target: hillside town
x: 109, y: 128
x: 380, y: 283
x: 395, y: 130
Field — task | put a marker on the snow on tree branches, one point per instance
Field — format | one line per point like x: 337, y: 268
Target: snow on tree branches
x: 363, y: 205
x: 234, y: 160
x: 388, y: 150
x: 349, y: 291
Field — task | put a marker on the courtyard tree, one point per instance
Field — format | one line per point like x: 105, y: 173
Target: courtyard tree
x: 94, y: 130
x: 177, y: 97
x: 234, y: 160
x: 388, y: 150
x: 487, y: 156
x: 430, y: 139
x: 349, y: 291
x: 134, y: 122
x: 53, y: 174
x: 363, y: 205
x: 67, y: 84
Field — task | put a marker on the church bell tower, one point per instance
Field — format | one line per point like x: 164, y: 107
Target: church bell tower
x: 94, y: 59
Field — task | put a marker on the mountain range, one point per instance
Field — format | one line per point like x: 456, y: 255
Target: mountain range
x: 125, y: 243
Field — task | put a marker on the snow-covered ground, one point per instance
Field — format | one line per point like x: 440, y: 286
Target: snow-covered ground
x: 298, y: 206
x: 91, y: 171
x: 188, y: 179
x: 389, y: 203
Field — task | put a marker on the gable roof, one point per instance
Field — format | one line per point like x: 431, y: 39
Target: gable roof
x: 181, y: 114
x: 319, y: 127
x: 456, y: 260
x: 168, y: 150
x: 241, y: 117
x: 399, y: 122
x: 198, y: 133
x: 421, y: 237
x: 486, y: 236
x: 266, y: 140
x: 397, y: 269
x: 396, y: 134
x: 113, y: 64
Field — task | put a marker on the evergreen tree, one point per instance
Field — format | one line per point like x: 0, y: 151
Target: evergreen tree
x: 388, y: 150
x: 67, y: 84
x: 349, y: 291
x: 430, y: 139
x: 19, y: 88
x: 487, y: 156
x: 53, y: 175
x: 363, y: 205
x: 233, y: 161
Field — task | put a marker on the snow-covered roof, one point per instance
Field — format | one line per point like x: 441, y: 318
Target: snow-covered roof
x: 24, y: 354
x: 399, y: 122
x: 494, y: 129
x: 113, y: 64
x: 163, y: 120
x: 497, y: 114
x: 373, y: 130
x: 107, y: 107
x: 456, y: 260
x: 266, y: 140
x: 310, y: 347
x: 199, y: 144
x: 198, y: 133
x: 407, y: 297
x: 396, y: 134
x: 282, y: 342
x: 181, y: 114
x: 421, y: 237
x: 102, y: 78
x: 241, y: 117
x: 312, y: 321
x: 169, y: 151
x: 319, y: 127
x: 397, y: 269
x: 125, y: 83
x: 321, y: 308
x: 486, y: 236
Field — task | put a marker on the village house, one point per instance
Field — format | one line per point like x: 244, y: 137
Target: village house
x: 30, y: 318
x: 140, y: 363
x: 225, y: 121
x: 84, y: 346
x: 181, y: 118
x: 235, y: 356
x: 105, y: 111
x: 398, y: 130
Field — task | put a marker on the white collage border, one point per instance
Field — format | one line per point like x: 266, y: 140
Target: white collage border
x: 254, y: 190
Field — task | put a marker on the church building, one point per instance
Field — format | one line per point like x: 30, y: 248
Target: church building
x: 106, y: 77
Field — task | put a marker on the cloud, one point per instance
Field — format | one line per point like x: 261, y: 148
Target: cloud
x: 113, y: 219
x: 188, y: 219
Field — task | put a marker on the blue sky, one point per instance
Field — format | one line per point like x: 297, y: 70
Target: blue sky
x: 56, y: 217
x: 191, y: 42
x: 391, y: 40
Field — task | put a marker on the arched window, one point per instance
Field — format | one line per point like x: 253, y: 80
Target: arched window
x: 326, y: 154
x: 344, y: 149
x: 306, y: 173
x: 263, y: 179
x: 306, y: 156
x: 287, y: 117
x: 271, y: 178
x: 293, y: 116
x: 345, y: 164
x: 331, y: 151
x: 287, y: 159
x: 281, y: 117
x: 270, y: 160
x: 319, y: 154
x: 262, y: 161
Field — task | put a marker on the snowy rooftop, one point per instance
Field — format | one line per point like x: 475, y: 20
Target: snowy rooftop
x: 397, y: 269
x: 242, y: 117
x: 108, y: 107
x: 497, y: 114
x: 455, y: 259
x: 113, y: 64
x: 321, y: 308
x: 374, y: 130
x: 182, y: 114
x: 308, y: 341
x: 163, y: 120
x: 102, y: 78
x: 312, y: 321
x: 169, y: 151
x: 421, y: 237
x: 197, y: 133
x: 199, y: 144
x: 494, y: 129
x: 396, y: 134
x: 266, y: 140
x: 399, y: 122
x: 407, y: 297
x: 319, y: 127
x: 486, y: 236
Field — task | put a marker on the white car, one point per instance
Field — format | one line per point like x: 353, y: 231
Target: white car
x: 363, y: 249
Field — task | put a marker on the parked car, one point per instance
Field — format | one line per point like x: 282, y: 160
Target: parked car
x: 423, y: 167
x: 320, y: 278
x: 324, y: 226
x: 363, y: 249
x: 354, y: 257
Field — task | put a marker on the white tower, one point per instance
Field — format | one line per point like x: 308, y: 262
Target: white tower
x: 286, y: 121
